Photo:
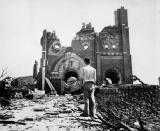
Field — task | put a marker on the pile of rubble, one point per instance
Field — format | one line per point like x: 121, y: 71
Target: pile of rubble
x: 22, y: 87
x: 129, y: 107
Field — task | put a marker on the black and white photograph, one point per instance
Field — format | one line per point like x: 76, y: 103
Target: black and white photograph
x: 79, y: 65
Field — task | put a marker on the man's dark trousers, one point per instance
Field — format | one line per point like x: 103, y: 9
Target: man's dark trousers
x: 89, y: 98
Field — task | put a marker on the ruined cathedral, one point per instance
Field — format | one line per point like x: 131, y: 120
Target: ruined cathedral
x: 108, y: 50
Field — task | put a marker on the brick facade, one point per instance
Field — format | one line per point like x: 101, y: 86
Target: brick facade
x: 108, y: 50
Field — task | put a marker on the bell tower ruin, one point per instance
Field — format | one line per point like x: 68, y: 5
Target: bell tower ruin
x: 113, y: 51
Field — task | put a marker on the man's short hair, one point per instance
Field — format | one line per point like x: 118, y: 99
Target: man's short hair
x: 87, y: 61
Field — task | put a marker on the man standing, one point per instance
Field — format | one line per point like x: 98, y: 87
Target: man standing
x: 88, y: 76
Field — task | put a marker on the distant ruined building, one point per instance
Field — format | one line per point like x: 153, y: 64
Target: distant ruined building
x: 109, y: 51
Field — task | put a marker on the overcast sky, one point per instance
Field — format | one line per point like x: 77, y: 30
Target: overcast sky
x: 23, y: 21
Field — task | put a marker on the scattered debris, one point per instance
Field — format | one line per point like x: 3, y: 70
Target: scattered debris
x: 49, y: 87
x: 36, y: 94
x: 72, y: 86
x: 39, y: 109
x: 12, y: 122
x: 6, y: 115
x: 120, y: 108
x: 137, y: 107
x: 52, y: 113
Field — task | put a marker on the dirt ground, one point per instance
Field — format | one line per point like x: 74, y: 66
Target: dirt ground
x: 50, y: 113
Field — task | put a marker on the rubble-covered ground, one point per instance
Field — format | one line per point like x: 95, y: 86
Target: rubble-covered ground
x: 50, y: 113
x: 132, y: 107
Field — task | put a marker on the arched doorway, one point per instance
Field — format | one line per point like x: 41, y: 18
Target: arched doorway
x: 113, y: 75
x: 67, y: 66
x: 68, y: 74
x: 71, y: 82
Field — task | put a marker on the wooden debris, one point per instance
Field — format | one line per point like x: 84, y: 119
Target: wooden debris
x: 12, y: 122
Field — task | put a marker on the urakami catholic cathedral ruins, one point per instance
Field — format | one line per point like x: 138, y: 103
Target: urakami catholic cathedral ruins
x: 108, y: 50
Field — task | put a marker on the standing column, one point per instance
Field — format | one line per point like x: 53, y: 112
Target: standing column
x: 35, y: 70
x: 126, y: 55
x: 44, y: 43
x: 98, y: 61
